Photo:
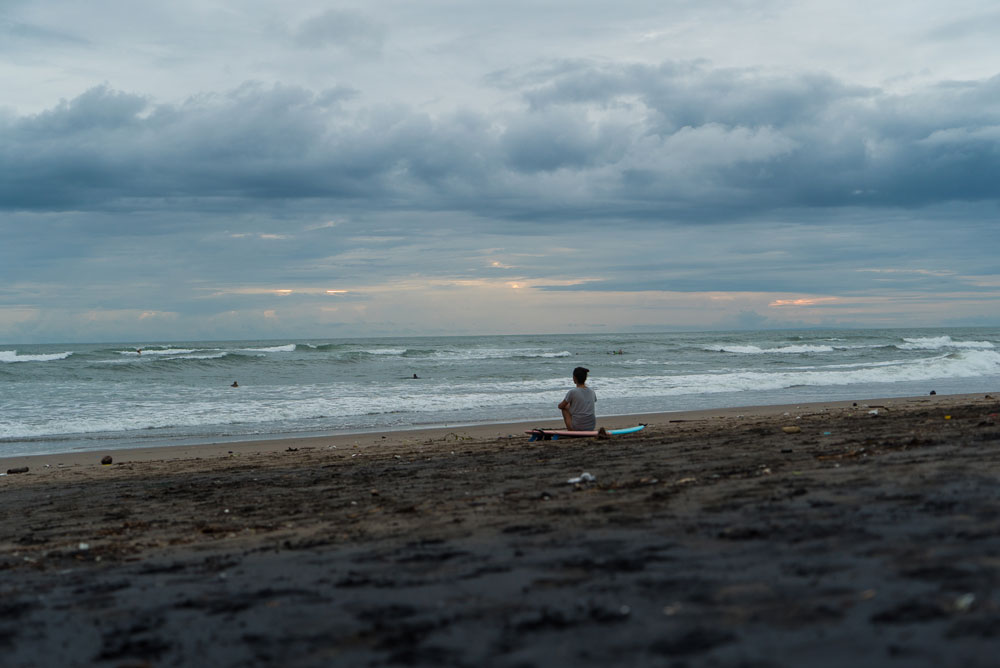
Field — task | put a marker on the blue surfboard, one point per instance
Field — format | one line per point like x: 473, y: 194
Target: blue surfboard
x: 556, y: 434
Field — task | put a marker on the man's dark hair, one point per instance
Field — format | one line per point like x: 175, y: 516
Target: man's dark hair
x: 580, y: 375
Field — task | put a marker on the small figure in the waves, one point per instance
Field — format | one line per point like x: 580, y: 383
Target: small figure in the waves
x: 578, y: 406
x: 235, y: 384
x: 138, y: 351
x: 416, y: 376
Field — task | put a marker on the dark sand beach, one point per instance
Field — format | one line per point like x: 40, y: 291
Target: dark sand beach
x: 821, y: 534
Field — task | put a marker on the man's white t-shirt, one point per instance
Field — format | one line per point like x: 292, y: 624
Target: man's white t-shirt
x: 581, y: 408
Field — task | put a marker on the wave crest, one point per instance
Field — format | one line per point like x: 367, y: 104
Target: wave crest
x: 940, y: 342
x: 756, y: 350
x: 11, y: 356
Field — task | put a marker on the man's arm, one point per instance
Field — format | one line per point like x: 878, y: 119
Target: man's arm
x: 567, y: 417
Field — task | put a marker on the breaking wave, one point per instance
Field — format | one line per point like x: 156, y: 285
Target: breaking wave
x: 10, y: 356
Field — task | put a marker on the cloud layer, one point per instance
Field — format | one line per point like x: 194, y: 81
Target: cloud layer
x: 677, y: 140
x: 541, y: 179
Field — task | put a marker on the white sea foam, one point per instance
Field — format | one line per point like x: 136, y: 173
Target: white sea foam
x: 12, y: 356
x: 563, y: 353
x: 158, y: 351
x: 940, y: 342
x: 968, y: 364
x: 500, y: 353
x: 756, y: 350
x: 167, y: 355
x: 203, y: 356
x: 853, y: 365
x: 290, y: 348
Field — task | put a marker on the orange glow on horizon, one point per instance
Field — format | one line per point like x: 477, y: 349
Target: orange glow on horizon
x: 805, y: 301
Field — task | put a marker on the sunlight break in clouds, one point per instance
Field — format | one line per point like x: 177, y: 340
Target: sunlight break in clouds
x: 804, y: 301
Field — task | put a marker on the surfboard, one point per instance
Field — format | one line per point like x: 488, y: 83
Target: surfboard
x: 555, y: 434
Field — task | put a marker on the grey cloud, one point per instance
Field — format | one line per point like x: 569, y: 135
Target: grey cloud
x: 779, y: 278
x: 854, y: 144
x: 346, y: 30
x: 680, y: 141
x: 13, y: 32
x: 831, y: 255
x: 560, y: 139
x: 334, y: 97
x: 986, y: 24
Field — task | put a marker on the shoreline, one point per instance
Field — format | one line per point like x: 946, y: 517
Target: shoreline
x: 280, y: 443
x: 831, y: 535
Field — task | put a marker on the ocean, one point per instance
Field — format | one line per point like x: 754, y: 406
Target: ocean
x: 59, y: 398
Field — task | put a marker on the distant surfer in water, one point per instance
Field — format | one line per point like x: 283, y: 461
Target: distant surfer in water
x: 578, y: 406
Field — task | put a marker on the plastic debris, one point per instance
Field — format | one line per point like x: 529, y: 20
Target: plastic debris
x: 791, y: 430
x: 964, y: 602
x: 20, y: 469
x: 106, y: 460
x: 584, y: 477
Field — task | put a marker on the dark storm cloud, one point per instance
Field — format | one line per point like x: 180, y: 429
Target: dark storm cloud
x: 846, y: 145
x: 680, y: 140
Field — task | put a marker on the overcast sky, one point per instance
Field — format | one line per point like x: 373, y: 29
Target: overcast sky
x: 249, y: 169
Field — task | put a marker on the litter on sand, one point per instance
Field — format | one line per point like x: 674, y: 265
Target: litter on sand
x: 584, y: 477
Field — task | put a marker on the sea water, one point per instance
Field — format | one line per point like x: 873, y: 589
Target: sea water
x: 57, y: 398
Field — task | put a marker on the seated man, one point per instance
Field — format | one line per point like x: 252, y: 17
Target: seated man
x: 578, y: 406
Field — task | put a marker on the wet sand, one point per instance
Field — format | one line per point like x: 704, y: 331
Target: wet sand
x: 827, y: 534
